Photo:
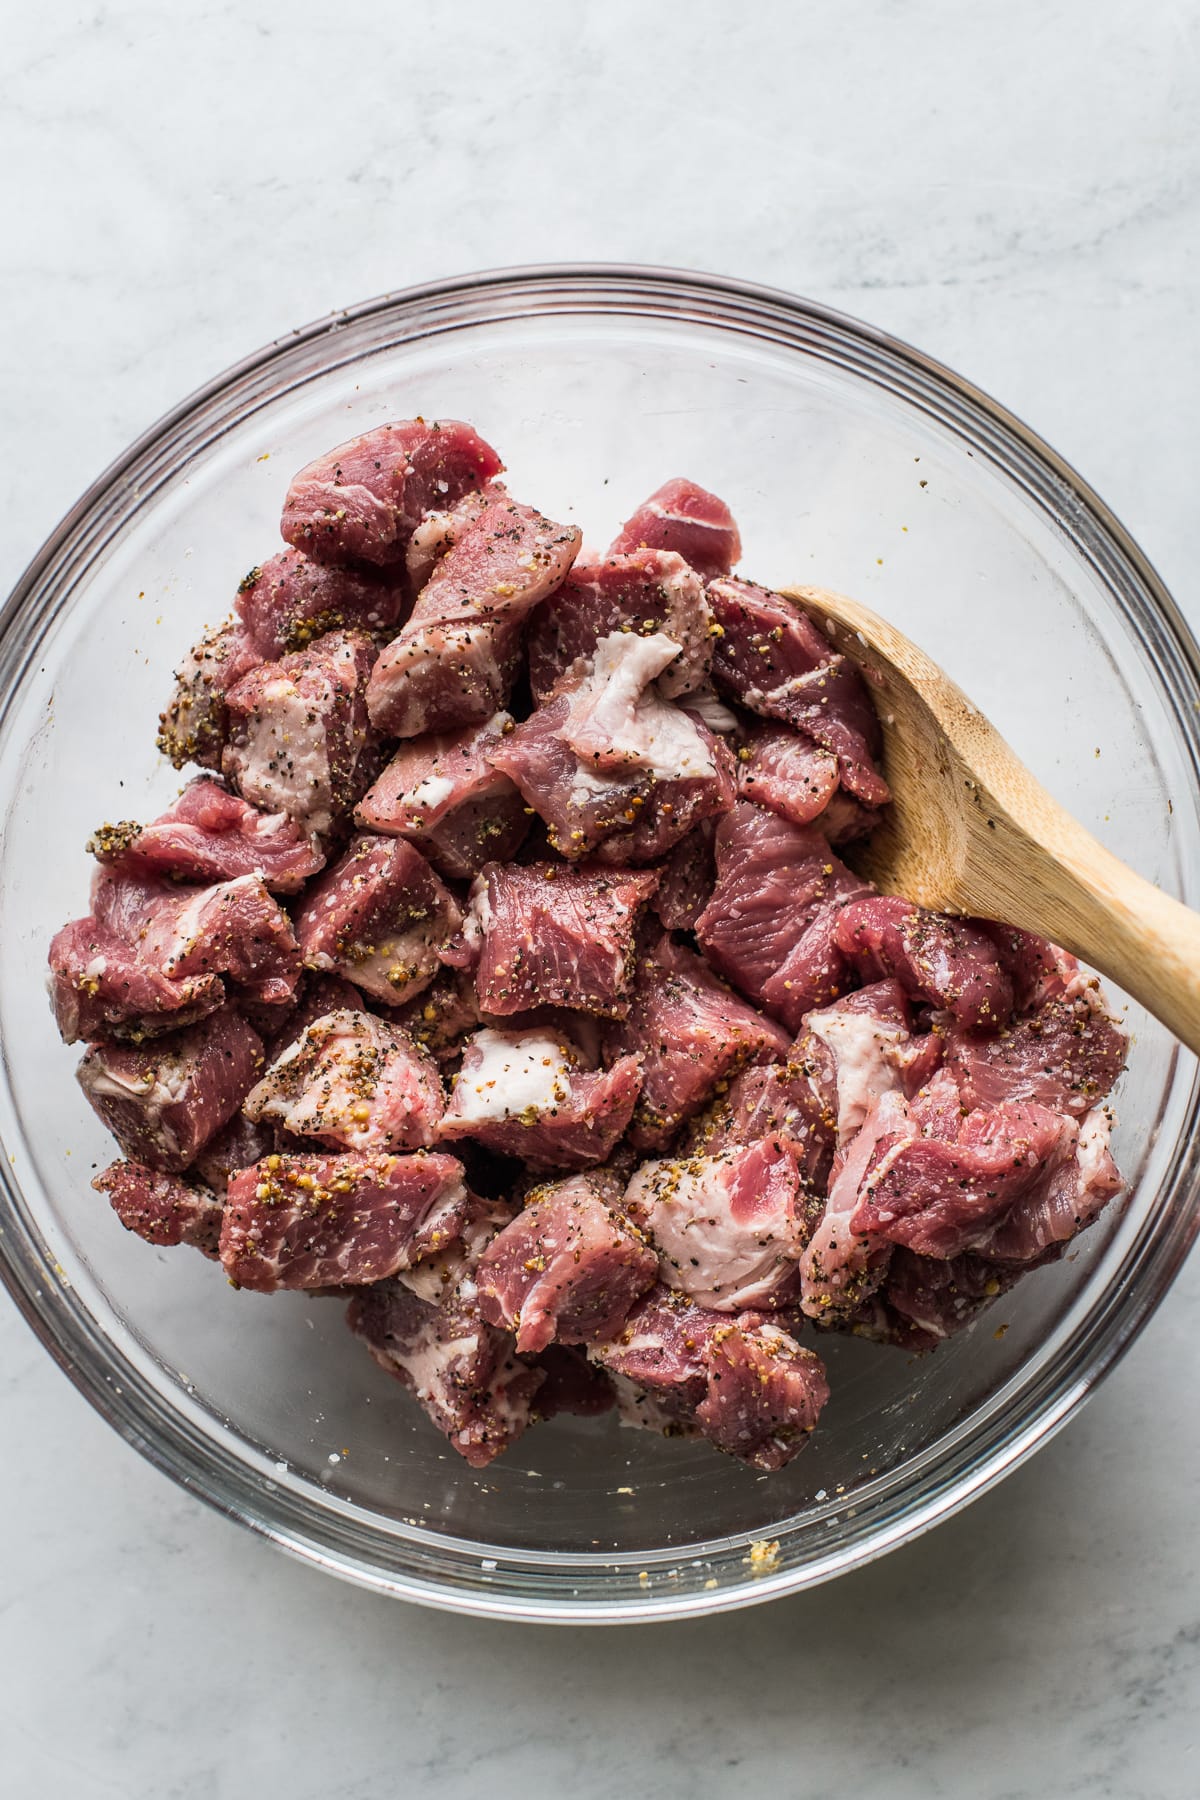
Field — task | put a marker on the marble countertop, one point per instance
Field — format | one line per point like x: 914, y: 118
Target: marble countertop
x: 1015, y: 188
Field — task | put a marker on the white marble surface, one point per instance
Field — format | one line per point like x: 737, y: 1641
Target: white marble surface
x: 1014, y: 187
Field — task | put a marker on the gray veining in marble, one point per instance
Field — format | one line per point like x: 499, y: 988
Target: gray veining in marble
x: 1017, y: 189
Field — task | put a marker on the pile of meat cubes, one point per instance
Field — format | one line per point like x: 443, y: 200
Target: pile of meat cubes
x: 501, y: 974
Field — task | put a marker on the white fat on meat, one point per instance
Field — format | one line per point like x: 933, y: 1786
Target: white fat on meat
x: 160, y: 1087
x: 615, y: 711
x: 284, y: 756
x: 711, y: 710
x: 863, y: 1050
x: 507, y: 1073
x: 684, y: 1206
x: 428, y: 794
x: 835, y: 1261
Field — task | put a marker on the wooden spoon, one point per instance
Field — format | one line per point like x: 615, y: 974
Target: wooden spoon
x: 971, y: 831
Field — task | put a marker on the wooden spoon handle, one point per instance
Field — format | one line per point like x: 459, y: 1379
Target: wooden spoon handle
x: 1076, y: 893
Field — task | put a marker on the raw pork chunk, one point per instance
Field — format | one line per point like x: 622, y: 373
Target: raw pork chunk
x: 845, y: 1261
x: 164, y: 1101
x: 163, y: 1209
x: 773, y: 660
x: 740, y: 1380
x: 792, y: 776
x: 361, y: 502
x: 101, y: 987
x: 769, y: 926
x: 684, y: 517
x: 379, y: 916
x: 354, y: 1083
x: 687, y: 879
x: 728, y: 1228
x: 545, y: 935
x: 211, y: 835
x: 863, y: 1045
x: 300, y: 741
x: 454, y: 662
x: 461, y: 1370
x: 1065, y: 1052
x: 610, y: 765
x: 307, y: 1221
x: 1064, y: 1201
x: 651, y: 591
x: 195, y: 723
x: 287, y: 602
x: 235, y: 928
x: 693, y: 1034
x: 526, y: 1094
x: 567, y: 1268
x: 948, y: 963
x: 445, y: 794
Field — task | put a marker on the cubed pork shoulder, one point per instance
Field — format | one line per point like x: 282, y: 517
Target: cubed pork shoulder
x: 611, y: 766
x: 769, y: 926
x: 693, y: 1034
x: 462, y: 1371
x: 740, y: 1380
x: 528, y: 1094
x: 289, y: 600
x: 563, y: 1040
x: 314, y: 1220
x: 683, y: 517
x: 354, y: 1083
x: 772, y: 660
x: 212, y: 835
x: 445, y: 795
x: 362, y: 502
x: 163, y: 1101
x: 300, y: 741
x: 455, y: 660
x: 194, y: 726
x: 235, y: 928
x: 567, y: 1269
x: 729, y: 1228
x: 163, y: 1209
x: 379, y: 916
x: 647, y: 593
x: 541, y: 934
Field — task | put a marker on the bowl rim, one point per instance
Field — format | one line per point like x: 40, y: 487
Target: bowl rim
x: 170, y: 1441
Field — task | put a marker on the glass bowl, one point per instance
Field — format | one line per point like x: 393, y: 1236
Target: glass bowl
x: 850, y: 460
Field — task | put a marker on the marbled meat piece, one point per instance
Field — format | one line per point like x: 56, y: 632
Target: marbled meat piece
x: 945, y: 962
x: 739, y: 1380
x: 362, y: 502
x: 1074, y: 1191
x: 1066, y: 1053
x: 553, y: 936
x: 729, y: 1228
x: 771, y: 659
x: 567, y: 1269
x: 786, y: 1102
x: 768, y: 927
x: 235, y: 928
x: 379, y: 916
x: 862, y: 1046
x: 165, y: 1100
x: 439, y: 531
x: 455, y: 660
x: 318, y: 1220
x: 683, y: 517
x: 300, y: 741
x: 101, y: 987
x: 194, y: 726
x: 445, y: 794
x: 940, y: 1198
x: 316, y: 994
x: 612, y: 767
x: 792, y: 776
x: 462, y: 1371
x: 289, y: 600
x: 527, y: 1094
x: 845, y: 1261
x: 163, y: 1209
x: 211, y: 835
x: 693, y: 1034
x: 649, y: 592
x: 353, y: 1083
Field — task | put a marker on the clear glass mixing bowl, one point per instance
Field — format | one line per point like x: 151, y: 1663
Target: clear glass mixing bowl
x: 850, y: 460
